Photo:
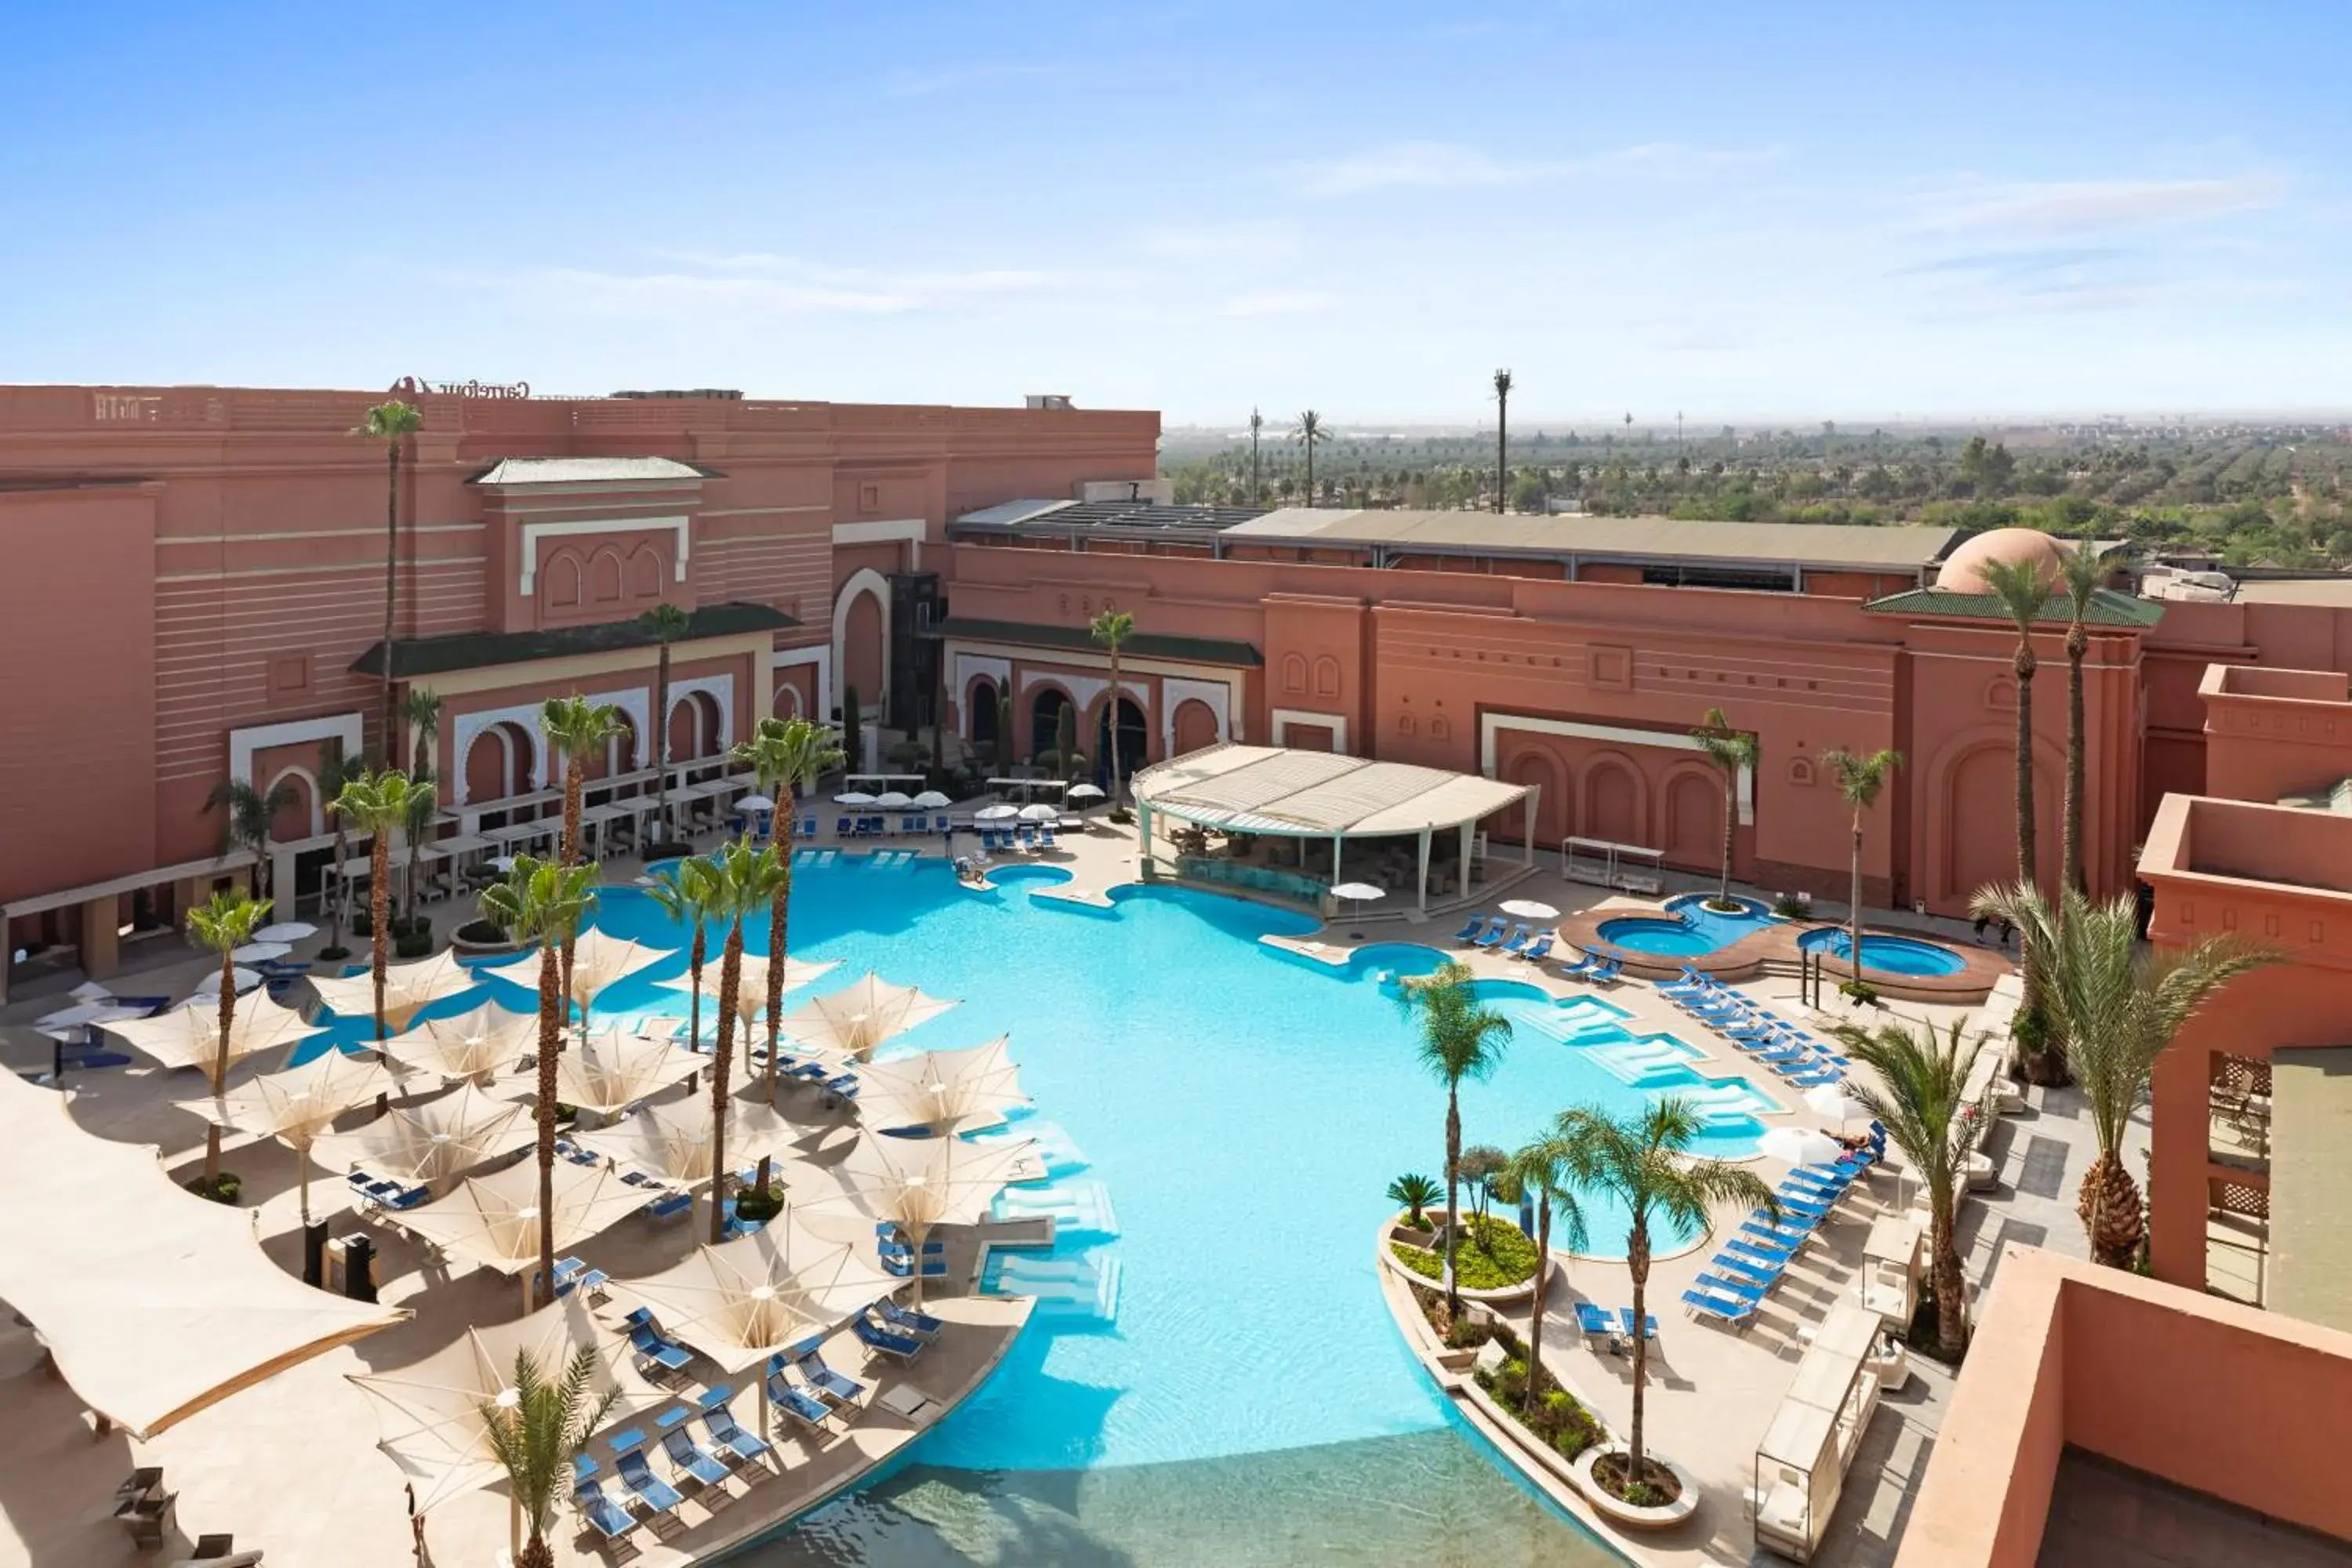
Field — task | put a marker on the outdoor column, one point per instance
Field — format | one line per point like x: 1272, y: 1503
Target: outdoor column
x: 1143, y: 816
x: 100, y: 943
x: 281, y: 876
x: 1535, y: 798
x: 1425, y: 836
x: 1336, y: 840
x: 1468, y: 830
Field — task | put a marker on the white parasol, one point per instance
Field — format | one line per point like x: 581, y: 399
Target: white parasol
x: 297, y: 1105
x: 852, y: 797
x: 861, y: 1015
x: 1800, y: 1146
x: 208, y: 988
x: 930, y: 800
x: 260, y: 951
x: 1000, y: 811
x: 742, y: 1303
x: 1041, y: 812
x: 1359, y: 892
x: 478, y: 1044
x: 947, y: 1091
x: 671, y: 1139
x: 189, y: 1037
x: 915, y: 1183
x: 755, y: 802
x: 1832, y: 1104
x: 89, y: 991
x: 432, y: 1139
x: 1528, y: 909
x: 408, y: 989
x: 494, y: 1220
x: 1085, y: 792
x: 286, y: 931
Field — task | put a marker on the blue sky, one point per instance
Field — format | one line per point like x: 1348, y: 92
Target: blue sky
x: 1796, y: 212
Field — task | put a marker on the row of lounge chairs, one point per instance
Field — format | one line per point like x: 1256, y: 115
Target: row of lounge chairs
x: 383, y: 1193
x: 1749, y: 1266
x: 1802, y: 1059
x: 733, y: 1450
x: 1493, y: 934
x: 899, y: 1257
x: 1034, y: 837
x: 879, y: 826
x: 1595, y: 1321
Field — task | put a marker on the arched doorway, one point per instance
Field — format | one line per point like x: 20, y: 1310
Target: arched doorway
x: 1693, y: 826
x: 1045, y: 712
x: 1196, y: 726
x: 1613, y: 806
x: 694, y: 726
x: 861, y: 651
x: 980, y: 718
x: 1134, y: 737
x: 501, y: 762
x: 1541, y: 771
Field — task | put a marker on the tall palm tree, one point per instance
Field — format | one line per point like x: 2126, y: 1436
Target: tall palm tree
x: 1459, y: 1038
x: 424, y: 806
x: 2078, y: 577
x: 576, y: 729
x: 2022, y: 587
x: 748, y: 880
x: 246, y: 816
x: 336, y: 769
x: 2118, y: 1007
x: 1502, y: 438
x: 1735, y: 751
x: 544, y: 902
x: 688, y: 893
x: 1540, y: 1168
x: 1860, y: 781
x: 421, y: 717
x: 1308, y: 432
x: 223, y: 924
x: 1257, y: 490
x: 392, y: 423
x: 1640, y: 1161
x: 1918, y: 1098
x: 786, y: 756
x: 668, y: 623
x: 377, y: 804
x: 538, y: 1436
x: 1111, y: 629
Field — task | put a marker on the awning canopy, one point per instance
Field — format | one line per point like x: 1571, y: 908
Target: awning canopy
x: 1272, y: 789
x: 751, y: 983
x: 154, y: 1302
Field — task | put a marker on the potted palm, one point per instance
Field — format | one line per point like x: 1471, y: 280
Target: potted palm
x: 536, y: 1430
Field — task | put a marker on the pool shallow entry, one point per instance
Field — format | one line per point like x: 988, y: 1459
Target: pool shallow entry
x: 1690, y: 931
x: 1887, y: 954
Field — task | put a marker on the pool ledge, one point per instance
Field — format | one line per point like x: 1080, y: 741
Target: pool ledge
x: 1773, y: 950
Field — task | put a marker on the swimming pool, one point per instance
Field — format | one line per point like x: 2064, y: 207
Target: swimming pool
x: 1887, y: 954
x: 1221, y: 1120
x: 1694, y: 930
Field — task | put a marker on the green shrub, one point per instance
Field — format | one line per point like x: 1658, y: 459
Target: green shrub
x: 225, y: 1189
x: 1467, y: 1335
x: 1493, y: 1255
x: 413, y: 945
x: 1861, y: 991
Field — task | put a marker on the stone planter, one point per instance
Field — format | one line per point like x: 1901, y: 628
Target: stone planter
x: 1982, y: 1173
x: 460, y: 943
x: 1496, y: 1296
x: 1617, y: 1512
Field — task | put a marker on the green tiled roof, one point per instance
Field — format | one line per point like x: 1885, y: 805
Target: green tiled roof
x: 476, y: 650
x: 1143, y: 645
x: 2108, y: 609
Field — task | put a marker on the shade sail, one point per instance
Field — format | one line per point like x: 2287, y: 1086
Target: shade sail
x: 914, y: 1182
x: 479, y: 1044
x: 407, y: 988
x: 611, y: 1069
x: 297, y: 1104
x: 672, y: 1139
x: 597, y: 961
x: 189, y: 1037
x: 494, y: 1220
x: 752, y: 988
x: 432, y: 1139
x: 947, y: 1091
x: 862, y: 1015
x: 153, y: 1317
x: 431, y: 1413
x: 742, y: 1303
x: 1270, y: 789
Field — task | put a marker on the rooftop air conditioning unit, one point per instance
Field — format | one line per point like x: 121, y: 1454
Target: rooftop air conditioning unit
x: 1047, y: 400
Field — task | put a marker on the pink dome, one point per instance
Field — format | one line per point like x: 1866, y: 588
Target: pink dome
x: 1963, y: 569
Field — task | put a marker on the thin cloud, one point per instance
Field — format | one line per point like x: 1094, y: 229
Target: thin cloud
x: 1454, y: 166
x: 1279, y: 304
x: 1220, y: 241
x: 2091, y: 206
x: 751, y: 286
x: 910, y: 83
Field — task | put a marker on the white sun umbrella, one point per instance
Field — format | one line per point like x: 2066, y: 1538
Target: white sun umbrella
x: 286, y: 931
x: 81, y: 1013
x: 862, y: 1015
x: 1085, y: 792
x: 189, y: 1037
x: 208, y: 988
x: 671, y: 1139
x: 296, y: 1106
x: 89, y: 991
x: 755, y: 802
x: 1799, y: 1145
x: 432, y: 1140
x: 852, y: 797
x: 494, y: 1220
x: 478, y: 1044
x: 744, y: 1300
x: 947, y: 1091
x: 1832, y: 1104
x: 408, y: 989
x: 930, y: 799
x: 260, y: 951
x: 916, y: 1183
x: 1041, y: 812
x: 612, y: 1070
x: 1000, y: 812
x: 752, y: 983
x: 431, y: 1413
x: 1359, y: 892
x: 894, y: 800
x: 1528, y: 909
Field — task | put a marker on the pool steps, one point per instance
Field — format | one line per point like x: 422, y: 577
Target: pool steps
x: 1083, y: 1287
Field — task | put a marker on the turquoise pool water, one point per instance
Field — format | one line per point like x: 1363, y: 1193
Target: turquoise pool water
x: 1221, y: 1120
x: 1693, y: 930
x: 1888, y: 954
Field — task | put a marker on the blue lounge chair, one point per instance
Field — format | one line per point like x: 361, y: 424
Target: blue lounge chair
x: 810, y: 1363
x: 629, y: 1459
x: 647, y: 1342
x: 908, y: 1320
x: 1757, y: 1249
x: 1581, y: 968
x: 1816, y: 1078
x: 1593, y: 1319
x: 1760, y: 1229
x: 841, y: 827
x: 1800, y: 1204
x: 690, y: 1459
x: 1493, y: 935
x: 1520, y: 937
x: 671, y: 1203
x: 604, y: 1516
x: 1606, y: 972
x: 1729, y: 1264
x: 1044, y: 837
x: 1625, y: 1323
x: 1472, y: 927
x: 905, y: 1347
x: 1538, y: 949
x: 725, y: 1431
x: 1737, y: 1290
x: 1723, y: 1309
x: 798, y: 1402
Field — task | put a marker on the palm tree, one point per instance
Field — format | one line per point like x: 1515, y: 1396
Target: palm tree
x: 335, y: 770
x: 1501, y: 437
x: 1459, y: 1040
x: 577, y: 730
x: 1641, y: 1163
x: 688, y: 893
x: 2078, y: 575
x: 1859, y: 780
x: 2023, y: 589
x: 377, y: 804
x: 421, y: 716
x: 1416, y: 1193
x: 538, y: 1436
x: 1735, y: 751
x: 668, y: 623
x: 1919, y: 1098
x: 1541, y: 1168
x: 224, y: 924
x: 1257, y: 490
x: 1112, y: 629
x: 748, y: 880
x: 543, y: 901
x: 786, y: 756
x: 424, y: 806
x: 2117, y: 1008
x: 392, y: 423
x: 1308, y: 432
x: 247, y: 814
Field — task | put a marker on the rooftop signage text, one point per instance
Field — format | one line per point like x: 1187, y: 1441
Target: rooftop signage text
x: 416, y: 386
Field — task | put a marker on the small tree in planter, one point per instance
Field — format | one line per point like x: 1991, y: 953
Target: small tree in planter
x: 1416, y: 1193
x: 537, y: 1437
x: 224, y: 925
x: 1481, y: 1163
x: 1735, y: 751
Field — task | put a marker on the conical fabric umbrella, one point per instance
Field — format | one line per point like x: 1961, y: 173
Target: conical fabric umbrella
x: 742, y: 1303
x: 947, y: 1091
x: 286, y: 931
x: 208, y: 988
x: 751, y: 987
x: 408, y: 988
x: 189, y: 1037
x: 598, y: 960
x: 494, y: 1220
x: 476, y: 1045
x: 1800, y: 1146
x: 893, y: 800
x: 862, y: 1015
x: 297, y: 1105
x: 1833, y: 1103
x: 431, y: 1413
x: 1000, y: 811
x: 671, y: 1139
x: 260, y: 951
x: 931, y: 799
x: 914, y: 1182
x: 1041, y: 812
x: 1085, y: 792
x: 610, y: 1070
x: 755, y: 802
x: 432, y: 1139
x: 1528, y: 909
